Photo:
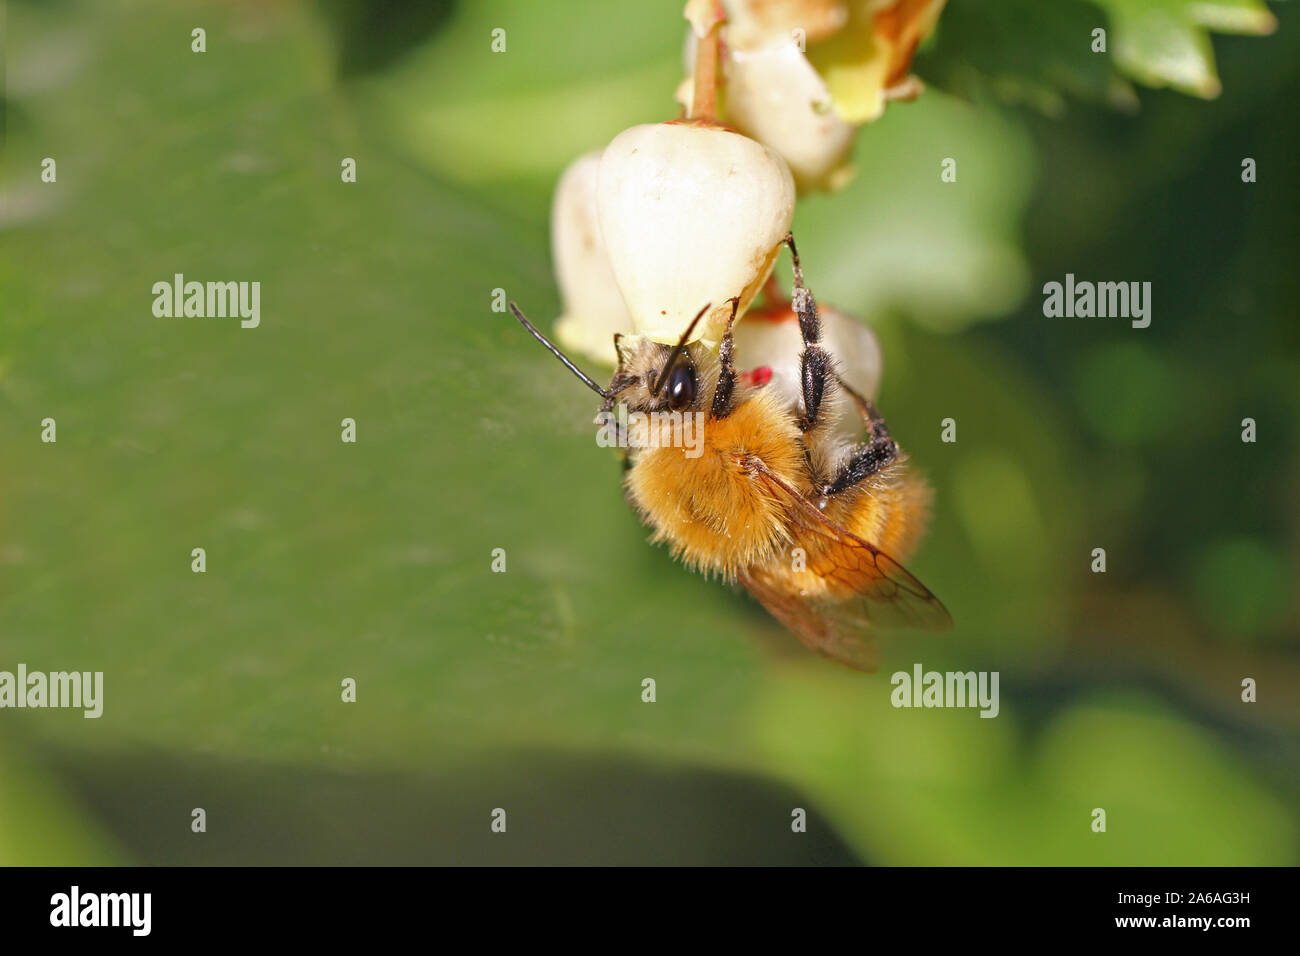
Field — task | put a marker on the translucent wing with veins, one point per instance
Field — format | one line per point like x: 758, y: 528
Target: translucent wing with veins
x: 847, y: 588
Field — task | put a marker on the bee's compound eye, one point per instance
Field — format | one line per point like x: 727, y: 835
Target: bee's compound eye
x: 681, y: 387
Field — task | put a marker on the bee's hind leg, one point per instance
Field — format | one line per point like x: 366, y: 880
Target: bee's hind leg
x: 878, y: 451
x: 867, y: 459
x: 870, y: 414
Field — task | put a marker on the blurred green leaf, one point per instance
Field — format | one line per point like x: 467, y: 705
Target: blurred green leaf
x: 948, y: 787
x: 1022, y: 51
x: 1241, y: 584
x: 482, y: 117
x: 1128, y: 393
x: 1040, y: 53
x: 1167, y: 42
x: 40, y: 825
x: 899, y: 239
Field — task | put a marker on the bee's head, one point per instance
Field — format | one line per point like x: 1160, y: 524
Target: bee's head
x: 656, y: 377
x: 650, y: 376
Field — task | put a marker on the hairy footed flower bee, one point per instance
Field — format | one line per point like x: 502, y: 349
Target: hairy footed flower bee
x: 773, y: 496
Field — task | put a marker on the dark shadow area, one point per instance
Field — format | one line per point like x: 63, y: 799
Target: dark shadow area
x: 560, y: 810
x: 372, y: 34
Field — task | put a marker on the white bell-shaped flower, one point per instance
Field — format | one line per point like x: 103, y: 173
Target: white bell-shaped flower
x: 593, y: 305
x: 692, y: 215
x: 775, y: 96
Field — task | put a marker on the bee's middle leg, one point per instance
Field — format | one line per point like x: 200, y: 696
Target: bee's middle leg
x: 815, y: 366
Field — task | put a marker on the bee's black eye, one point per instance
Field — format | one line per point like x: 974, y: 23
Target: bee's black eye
x: 681, y: 387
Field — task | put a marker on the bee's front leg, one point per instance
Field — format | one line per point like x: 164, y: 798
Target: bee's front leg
x: 722, y: 392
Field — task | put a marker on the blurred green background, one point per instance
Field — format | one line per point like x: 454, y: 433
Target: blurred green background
x: 522, y: 690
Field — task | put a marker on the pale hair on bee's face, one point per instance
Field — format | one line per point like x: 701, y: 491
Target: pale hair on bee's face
x: 687, y: 385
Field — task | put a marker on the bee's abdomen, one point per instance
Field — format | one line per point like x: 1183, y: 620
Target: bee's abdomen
x: 891, y: 511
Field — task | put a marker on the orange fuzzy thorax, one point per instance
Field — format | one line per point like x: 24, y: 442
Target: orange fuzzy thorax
x: 709, y: 510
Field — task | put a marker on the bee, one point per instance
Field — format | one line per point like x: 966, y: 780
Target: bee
x: 777, y: 499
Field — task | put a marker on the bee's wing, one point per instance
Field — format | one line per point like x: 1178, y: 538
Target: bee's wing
x: 822, y: 629
x: 878, y: 591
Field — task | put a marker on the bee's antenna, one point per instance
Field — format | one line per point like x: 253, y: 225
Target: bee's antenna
x: 678, y: 349
x: 558, y: 354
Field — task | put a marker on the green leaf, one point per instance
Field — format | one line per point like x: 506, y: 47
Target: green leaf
x: 1041, y: 53
x: 41, y: 824
x: 948, y: 787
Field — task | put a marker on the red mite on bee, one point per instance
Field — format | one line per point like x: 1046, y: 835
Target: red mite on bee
x: 777, y: 500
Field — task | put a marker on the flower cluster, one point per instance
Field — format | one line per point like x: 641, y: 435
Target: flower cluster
x: 672, y: 216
